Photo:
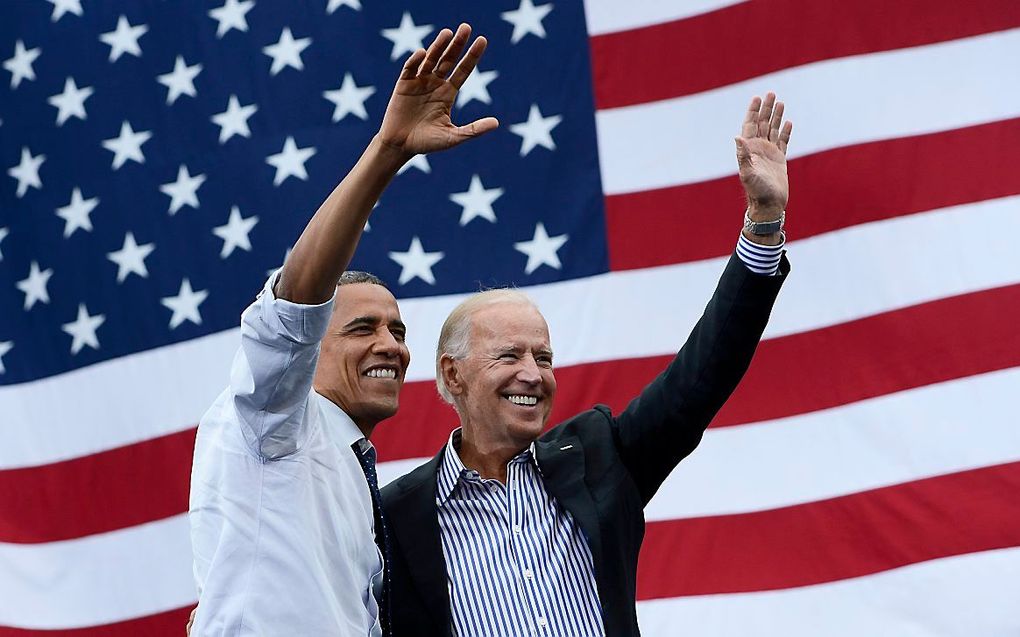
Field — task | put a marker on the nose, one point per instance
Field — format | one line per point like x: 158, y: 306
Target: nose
x: 386, y: 344
x: 529, y: 372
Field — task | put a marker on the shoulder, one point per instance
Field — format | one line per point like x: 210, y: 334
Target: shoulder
x: 413, y: 483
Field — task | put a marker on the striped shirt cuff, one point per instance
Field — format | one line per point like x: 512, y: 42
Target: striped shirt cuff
x: 758, y: 258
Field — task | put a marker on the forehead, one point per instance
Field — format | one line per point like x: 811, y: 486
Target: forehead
x: 364, y: 300
x: 516, y: 324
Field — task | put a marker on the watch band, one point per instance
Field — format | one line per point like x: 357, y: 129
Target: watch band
x: 764, y: 227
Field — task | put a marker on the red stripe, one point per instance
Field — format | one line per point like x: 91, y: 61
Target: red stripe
x: 170, y: 623
x: 833, y: 539
x: 101, y: 492
x: 833, y: 189
x: 724, y: 47
x: 950, y: 338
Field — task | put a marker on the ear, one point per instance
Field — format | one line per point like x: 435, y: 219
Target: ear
x: 451, y: 375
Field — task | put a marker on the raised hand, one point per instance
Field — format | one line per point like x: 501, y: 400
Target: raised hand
x: 417, y: 118
x: 761, y: 156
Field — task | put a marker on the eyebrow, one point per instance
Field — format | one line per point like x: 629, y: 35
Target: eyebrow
x: 374, y: 320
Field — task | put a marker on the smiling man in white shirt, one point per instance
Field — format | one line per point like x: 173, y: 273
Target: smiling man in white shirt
x: 287, y: 533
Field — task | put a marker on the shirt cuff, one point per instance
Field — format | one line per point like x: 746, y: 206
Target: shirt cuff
x: 758, y: 258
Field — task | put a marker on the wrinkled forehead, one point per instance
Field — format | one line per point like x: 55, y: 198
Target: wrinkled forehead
x: 355, y: 300
x: 510, y: 324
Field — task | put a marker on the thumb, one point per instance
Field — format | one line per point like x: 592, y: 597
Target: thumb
x: 477, y: 128
x: 743, y: 152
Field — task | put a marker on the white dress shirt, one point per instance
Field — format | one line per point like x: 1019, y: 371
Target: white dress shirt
x: 281, y: 513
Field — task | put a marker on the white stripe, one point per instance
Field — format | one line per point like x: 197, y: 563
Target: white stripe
x: 894, y: 265
x: 906, y: 436
x: 960, y: 596
x: 832, y: 103
x: 99, y: 579
x: 606, y: 16
x: 939, y: 429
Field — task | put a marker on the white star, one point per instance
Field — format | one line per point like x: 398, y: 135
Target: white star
x: 60, y: 7
x: 20, y: 65
x: 349, y: 99
x: 336, y: 4
x: 34, y: 286
x: 537, y: 131
x: 27, y: 171
x: 541, y: 250
x: 185, y: 305
x: 184, y: 191
x: 5, y: 346
x: 231, y: 16
x: 286, y: 52
x: 83, y: 329
x: 290, y: 161
x: 235, y: 232
x: 234, y: 120
x: 416, y: 263
x: 527, y: 18
x: 421, y: 162
x: 408, y: 37
x: 130, y: 259
x: 477, y: 87
x: 127, y: 145
x: 476, y: 201
x: 3, y: 234
x: 124, y: 39
x: 70, y: 103
x: 76, y: 214
x: 180, y: 81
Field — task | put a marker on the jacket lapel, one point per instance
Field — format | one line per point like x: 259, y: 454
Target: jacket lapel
x: 419, y: 538
x: 562, y: 464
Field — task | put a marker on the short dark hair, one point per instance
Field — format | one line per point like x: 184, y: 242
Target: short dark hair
x: 350, y: 277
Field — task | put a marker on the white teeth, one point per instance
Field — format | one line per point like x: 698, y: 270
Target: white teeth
x: 523, y: 400
x: 381, y: 373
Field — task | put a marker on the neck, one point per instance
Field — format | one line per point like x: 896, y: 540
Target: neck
x: 366, y: 426
x: 488, y: 458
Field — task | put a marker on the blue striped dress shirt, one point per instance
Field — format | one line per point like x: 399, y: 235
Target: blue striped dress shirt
x: 517, y: 562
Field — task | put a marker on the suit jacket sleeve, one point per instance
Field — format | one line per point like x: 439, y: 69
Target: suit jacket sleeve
x: 666, y: 421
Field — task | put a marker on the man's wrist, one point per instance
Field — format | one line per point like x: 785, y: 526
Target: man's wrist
x: 387, y: 156
x: 760, y: 212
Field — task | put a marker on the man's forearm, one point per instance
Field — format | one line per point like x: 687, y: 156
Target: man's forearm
x: 327, y: 244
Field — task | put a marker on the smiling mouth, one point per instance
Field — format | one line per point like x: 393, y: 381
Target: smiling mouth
x: 382, y: 372
x: 522, y: 400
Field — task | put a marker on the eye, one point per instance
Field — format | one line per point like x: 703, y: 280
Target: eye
x: 544, y: 361
x: 508, y: 356
x: 399, y: 335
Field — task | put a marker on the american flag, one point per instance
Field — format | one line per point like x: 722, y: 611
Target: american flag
x: 160, y: 157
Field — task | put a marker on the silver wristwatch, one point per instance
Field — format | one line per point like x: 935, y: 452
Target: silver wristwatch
x: 764, y: 227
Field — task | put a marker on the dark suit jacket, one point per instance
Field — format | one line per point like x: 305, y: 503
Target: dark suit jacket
x: 613, y: 469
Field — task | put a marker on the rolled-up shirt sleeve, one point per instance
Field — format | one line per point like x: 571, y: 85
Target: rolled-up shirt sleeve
x: 272, y: 373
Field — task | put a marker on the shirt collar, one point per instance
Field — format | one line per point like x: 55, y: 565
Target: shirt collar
x: 452, y: 471
x: 339, y: 426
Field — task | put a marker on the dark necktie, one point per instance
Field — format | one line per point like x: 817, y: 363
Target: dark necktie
x: 382, y: 537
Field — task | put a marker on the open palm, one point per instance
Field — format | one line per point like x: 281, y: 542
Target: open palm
x: 417, y: 118
x: 761, y: 154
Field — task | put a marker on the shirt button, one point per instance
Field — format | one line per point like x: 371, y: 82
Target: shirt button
x: 542, y: 622
x: 517, y: 529
x: 528, y: 574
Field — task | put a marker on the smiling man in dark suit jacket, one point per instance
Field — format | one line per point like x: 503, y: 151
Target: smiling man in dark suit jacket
x: 508, y: 531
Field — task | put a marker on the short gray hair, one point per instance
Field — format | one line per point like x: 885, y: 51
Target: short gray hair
x: 350, y: 277
x: 454, y: 338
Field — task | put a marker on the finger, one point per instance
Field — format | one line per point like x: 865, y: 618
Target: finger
x: 784, y: 136
x: 435, y: 51
x: 411, y: 65
x: 476, y: 128
x: 766, y: 114
x: 777, y: 121
x: 468, y: 62
x: 453, y: 51
x: 750, y: 125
